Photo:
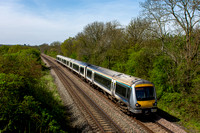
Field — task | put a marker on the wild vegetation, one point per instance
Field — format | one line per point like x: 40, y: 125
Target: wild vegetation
x: 26, y: 102
x: 162, y: 46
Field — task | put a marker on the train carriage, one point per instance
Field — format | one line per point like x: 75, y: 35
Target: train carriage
x: 58, y: 58
x: 101, y: 78
x: 63, y: 60
x: 137, y: 94
x: 79, y: 67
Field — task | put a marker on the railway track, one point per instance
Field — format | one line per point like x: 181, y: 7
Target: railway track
x: 96, y: 117
x: 148, y: 124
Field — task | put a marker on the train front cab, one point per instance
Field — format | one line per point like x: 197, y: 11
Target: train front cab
x: 143, y: 99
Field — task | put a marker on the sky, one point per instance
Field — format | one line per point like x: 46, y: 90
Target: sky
x: 34, y: 22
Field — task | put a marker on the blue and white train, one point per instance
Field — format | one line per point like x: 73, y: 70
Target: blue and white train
x: 138, y: 95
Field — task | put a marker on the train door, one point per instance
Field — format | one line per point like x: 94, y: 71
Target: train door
x: 92, y: 77
x: 132, y: 98
x: 85, y: 70
x: 113, y: 86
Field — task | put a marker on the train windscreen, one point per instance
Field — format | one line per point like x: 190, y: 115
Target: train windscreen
x: 144, y: 93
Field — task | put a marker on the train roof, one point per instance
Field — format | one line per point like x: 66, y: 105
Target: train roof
x: 73, y: 60
x: 63, y: 57
x: 79, y: 62
x: 120, y: 77
x: 102, y: 70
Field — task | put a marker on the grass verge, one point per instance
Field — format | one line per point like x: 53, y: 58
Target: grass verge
x: 179, y: 116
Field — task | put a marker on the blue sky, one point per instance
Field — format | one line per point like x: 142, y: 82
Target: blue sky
x: 44, y: 21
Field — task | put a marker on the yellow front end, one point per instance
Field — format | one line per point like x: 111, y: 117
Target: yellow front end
x: 146, y: 104
x: 146, y: 98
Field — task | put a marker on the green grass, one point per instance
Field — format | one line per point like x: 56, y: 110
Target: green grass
x: 186, y: 119
x: 50, y: 82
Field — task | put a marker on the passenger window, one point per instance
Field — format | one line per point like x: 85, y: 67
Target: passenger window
x: 104, y: 81
x: 122, y: 90
x: 76, y: 67
x: 82, y: 70
x: 89, y: 74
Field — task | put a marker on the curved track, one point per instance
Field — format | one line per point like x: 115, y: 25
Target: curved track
x: 148, y: 123
x: 96, y: 117
x: 101, y: 122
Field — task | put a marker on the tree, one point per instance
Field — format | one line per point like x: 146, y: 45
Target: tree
x: 185, y: 16
x: 112, y: 45
x: 66, y: 47
x: 44, y: 47
x: 90, y: 41
x: 3, y: 49
x: 154, y: 13
x: 137, y: 31
x: 55, y: 47
x: 182, y: 13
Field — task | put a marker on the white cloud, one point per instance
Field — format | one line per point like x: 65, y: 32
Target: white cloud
x: 19, y: 25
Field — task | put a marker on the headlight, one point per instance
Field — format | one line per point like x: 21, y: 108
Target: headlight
x: 155, y: 104
x: 137, y: 105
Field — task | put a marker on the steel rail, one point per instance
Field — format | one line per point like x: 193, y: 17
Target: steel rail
x: 65, y: 79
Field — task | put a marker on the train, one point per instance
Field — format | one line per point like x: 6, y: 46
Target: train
x: 135, y: 94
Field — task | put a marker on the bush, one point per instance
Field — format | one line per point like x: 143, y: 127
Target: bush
x: 27, y: 105
x: 162, y: 75
x: 140, y: 63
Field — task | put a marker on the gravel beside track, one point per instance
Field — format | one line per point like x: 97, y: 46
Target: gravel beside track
x: 77, y: 120
x: 171, y: 126
x: 96, y: 117
x: 127, y: 122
